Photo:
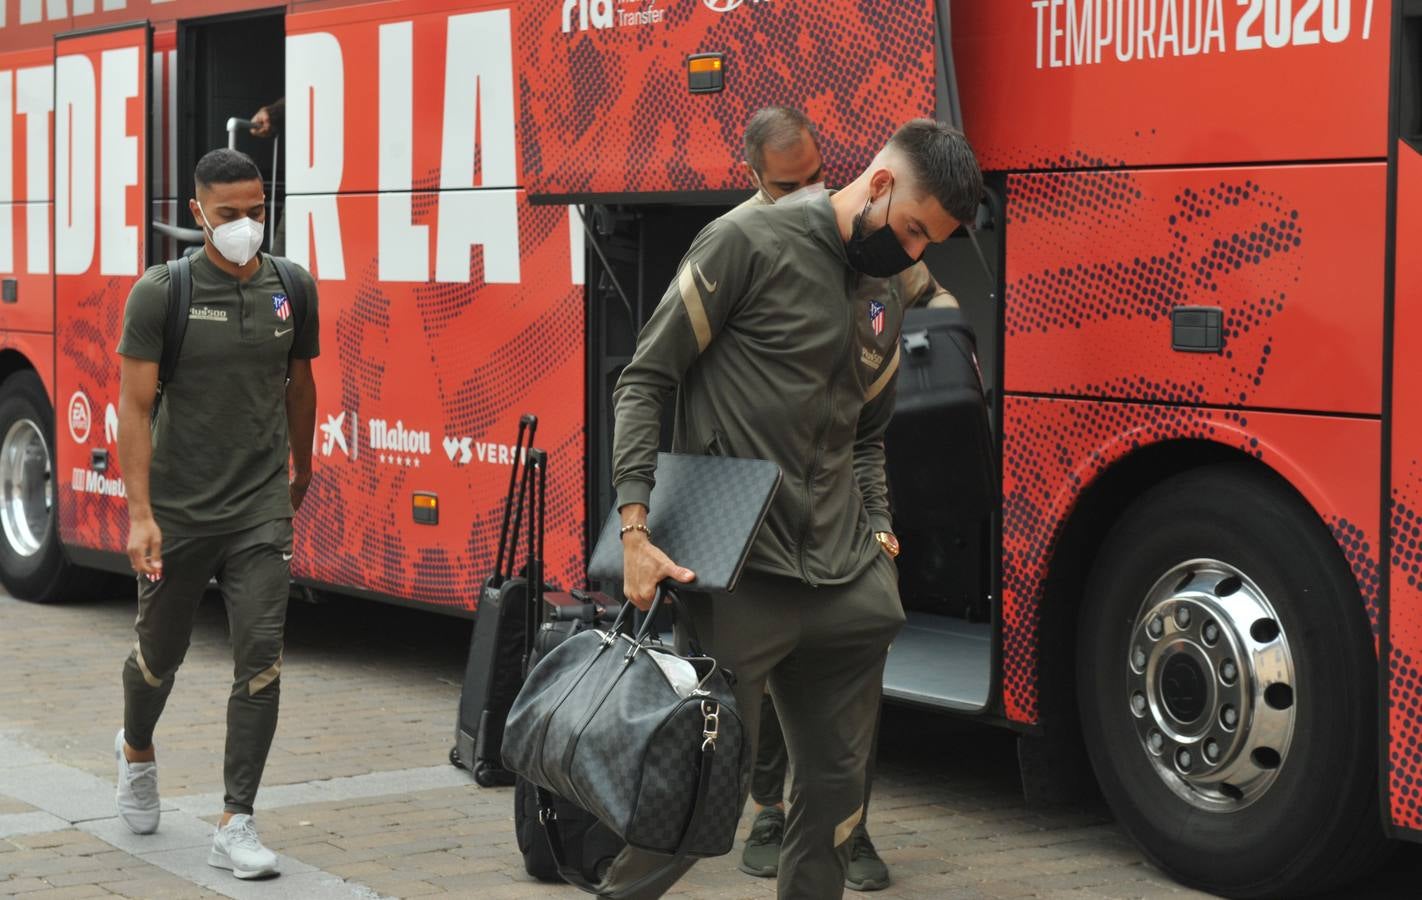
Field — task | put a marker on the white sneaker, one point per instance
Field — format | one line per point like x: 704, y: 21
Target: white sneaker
x: 137, y: 794
x: 237, y: 847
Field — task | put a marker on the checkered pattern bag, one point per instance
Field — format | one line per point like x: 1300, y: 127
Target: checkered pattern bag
x: 600, y: 723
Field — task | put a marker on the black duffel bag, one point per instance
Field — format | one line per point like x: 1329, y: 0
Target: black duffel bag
x: 648, y: 741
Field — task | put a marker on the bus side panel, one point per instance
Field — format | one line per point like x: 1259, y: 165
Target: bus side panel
x: 1294, y: 282
x: 101, y: 214
x: 606, y: 107
x: 449, y: 305
x: 420, y: 388
x: 1404, y: 613
x: 38, y: 350
x: 1078, y: 83
x: 1054, y: 450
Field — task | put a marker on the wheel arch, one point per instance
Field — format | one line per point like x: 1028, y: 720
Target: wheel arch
x: 1098, y: 506
x: 13, y: 360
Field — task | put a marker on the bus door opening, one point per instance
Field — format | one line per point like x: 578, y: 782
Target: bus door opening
x: 228, y: 69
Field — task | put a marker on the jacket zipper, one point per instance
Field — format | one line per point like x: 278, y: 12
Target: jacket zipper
x: 820, y: 445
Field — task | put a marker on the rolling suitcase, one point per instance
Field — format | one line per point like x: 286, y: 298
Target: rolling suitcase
x: 940, y: 467
x: 589, y: 845
x: 494, y: 670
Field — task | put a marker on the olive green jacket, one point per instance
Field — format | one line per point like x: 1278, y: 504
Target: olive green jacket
x: 775, y: 349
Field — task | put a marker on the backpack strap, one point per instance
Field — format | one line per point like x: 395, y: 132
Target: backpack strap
x: 175, y: 322
x: 295, y: 293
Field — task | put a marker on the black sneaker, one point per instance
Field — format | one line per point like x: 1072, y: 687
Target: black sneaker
x: 866, y: 871
x: 762, y: 854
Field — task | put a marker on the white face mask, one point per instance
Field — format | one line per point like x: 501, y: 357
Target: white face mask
x: 237, y: 241
x: 800, y: 195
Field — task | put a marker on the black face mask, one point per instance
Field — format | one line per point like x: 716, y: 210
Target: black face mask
x: 880, y: 254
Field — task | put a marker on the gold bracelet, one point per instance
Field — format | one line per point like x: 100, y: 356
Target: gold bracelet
x: 636, y: 526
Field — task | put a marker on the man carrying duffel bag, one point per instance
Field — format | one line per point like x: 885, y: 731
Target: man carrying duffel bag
x: 780, y: 337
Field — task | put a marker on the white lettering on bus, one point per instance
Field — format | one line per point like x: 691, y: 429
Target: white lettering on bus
x: 74, y: 161
x: 384, y: 436
x: 476, y: 207
x: 34, y: 99
x: 478, y: 84
x: 315, y: 103
x: 35, y: 11
x: 404, y: 246
x: 118, y: 241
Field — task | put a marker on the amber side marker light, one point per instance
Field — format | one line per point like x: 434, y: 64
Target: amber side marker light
x: 706, y: 73
x: 426, y: 508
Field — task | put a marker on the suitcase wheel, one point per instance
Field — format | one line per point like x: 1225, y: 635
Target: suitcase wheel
x: 454, y: 758
x: 486, y: 775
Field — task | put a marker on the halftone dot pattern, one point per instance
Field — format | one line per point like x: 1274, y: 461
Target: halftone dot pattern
x: 88, y: 331
x: 1404, y: 610
x: 1405, y: 748
x: 1205, y: 236
x: 1405, y: 635
x: 608, y: 110
x: 461, y: 361
x: 1052, y: 451
x: 1363, y: 560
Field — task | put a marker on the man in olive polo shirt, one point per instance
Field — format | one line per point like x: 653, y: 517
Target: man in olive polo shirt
x: 212, y: 488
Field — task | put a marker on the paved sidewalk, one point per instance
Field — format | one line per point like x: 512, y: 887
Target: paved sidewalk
x: 360, y: 800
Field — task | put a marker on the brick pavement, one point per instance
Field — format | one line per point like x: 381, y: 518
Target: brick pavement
x: 359, y: 798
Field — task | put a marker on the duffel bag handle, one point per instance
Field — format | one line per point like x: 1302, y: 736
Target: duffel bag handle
x: 622, y: 624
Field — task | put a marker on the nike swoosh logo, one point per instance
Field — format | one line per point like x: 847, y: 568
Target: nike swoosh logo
x: 706, y: 282
x: 285, y: 333
x: 286, y: 557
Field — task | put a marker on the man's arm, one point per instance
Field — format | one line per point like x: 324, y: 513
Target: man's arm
x: 921, y: 289
x: 869, y: 447
x: 713, y: 277
x: 300, y: 426
x: 138, y: 383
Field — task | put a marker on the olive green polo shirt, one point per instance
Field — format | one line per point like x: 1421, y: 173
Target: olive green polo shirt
x: 220, y: 448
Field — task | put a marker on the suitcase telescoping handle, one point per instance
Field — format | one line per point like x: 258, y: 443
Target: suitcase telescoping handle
x: 527, y: 428
x: 538, y: 502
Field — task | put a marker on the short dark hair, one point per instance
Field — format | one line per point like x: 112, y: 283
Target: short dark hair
x: 224, y: 166
x: 776, y: 127
x: 944, y: 166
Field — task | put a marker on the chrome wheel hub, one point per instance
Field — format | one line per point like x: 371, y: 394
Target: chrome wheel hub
x: 1210, y: 685
x: 26, y: 488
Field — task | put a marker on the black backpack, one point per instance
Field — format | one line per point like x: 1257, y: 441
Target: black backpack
x: 180, y: 301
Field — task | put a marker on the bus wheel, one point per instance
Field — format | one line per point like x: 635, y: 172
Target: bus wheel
x: 32, y: 563
x: 1227, y: 685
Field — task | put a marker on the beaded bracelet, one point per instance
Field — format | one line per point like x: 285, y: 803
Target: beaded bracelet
x: 636, y: 526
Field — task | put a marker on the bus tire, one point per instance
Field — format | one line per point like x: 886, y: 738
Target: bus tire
x: 32, y: 562
x: 1228, y: 688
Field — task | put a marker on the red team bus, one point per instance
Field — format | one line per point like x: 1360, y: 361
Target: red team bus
x: 1199, y: 288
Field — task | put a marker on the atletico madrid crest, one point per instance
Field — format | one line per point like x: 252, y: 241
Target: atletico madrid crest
x: 876, y: 316
x: 281, y: 307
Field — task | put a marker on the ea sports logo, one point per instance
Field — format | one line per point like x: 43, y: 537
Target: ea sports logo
x: 80, y: 417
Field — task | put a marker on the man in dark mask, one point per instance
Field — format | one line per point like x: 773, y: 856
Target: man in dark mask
x: 783, y: 160
x: 780, y: 339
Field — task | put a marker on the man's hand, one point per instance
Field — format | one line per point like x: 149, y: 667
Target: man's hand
x: 262, y: 123
x: 644, y: 567
x: 145, y: 548
x: 888, y: 542
x: 299, y: 483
